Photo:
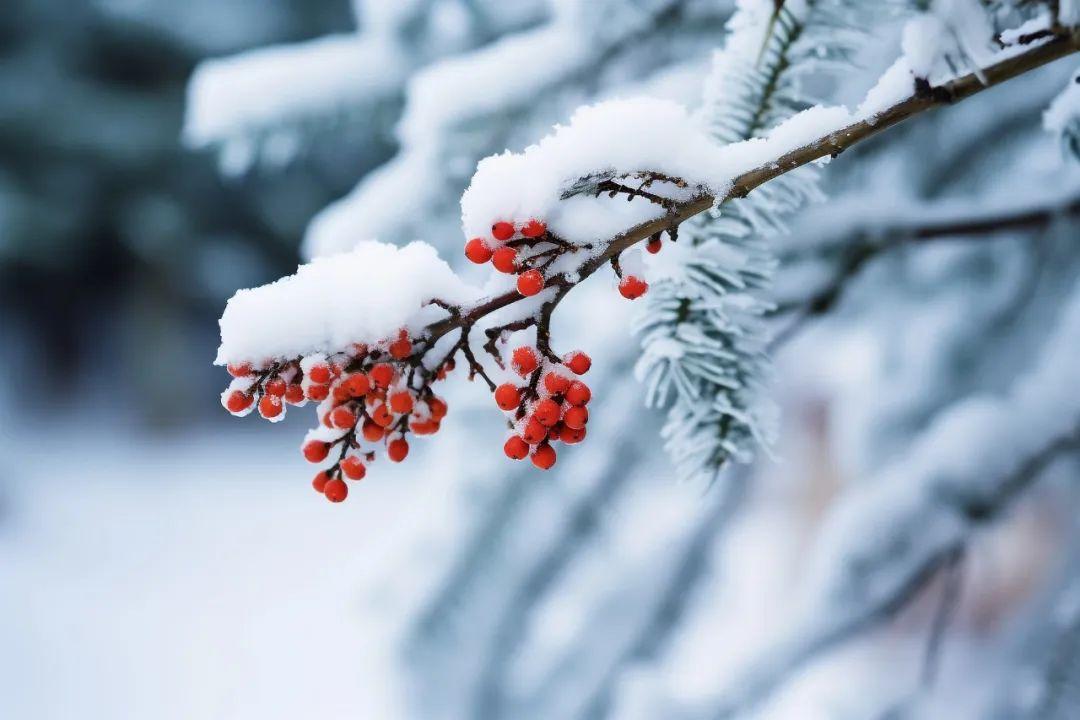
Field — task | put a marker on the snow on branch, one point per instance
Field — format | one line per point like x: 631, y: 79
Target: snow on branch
x: 889, y: 534
x: 546, y: 219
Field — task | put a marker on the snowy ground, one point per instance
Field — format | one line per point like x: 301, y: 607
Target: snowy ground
x: 182, y: 583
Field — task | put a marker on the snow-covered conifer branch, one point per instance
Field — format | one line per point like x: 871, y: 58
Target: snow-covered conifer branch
x: 889, y: 535
x: 379, y: 308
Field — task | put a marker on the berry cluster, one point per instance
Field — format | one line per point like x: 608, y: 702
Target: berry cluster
x: 367, y: 398
x: 502, y: 251
x: 503, y: 254
x: 548, y: 407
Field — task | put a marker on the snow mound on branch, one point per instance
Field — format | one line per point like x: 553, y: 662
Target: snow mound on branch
x: 366, y: 295
x: 619, y: 135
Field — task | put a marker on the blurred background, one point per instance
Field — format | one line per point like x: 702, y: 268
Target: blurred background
x: 161, y: 559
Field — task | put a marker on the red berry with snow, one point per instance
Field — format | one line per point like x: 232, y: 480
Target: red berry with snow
x: 401, y: 402
x: 516, y: 448
x: 632, y: 287
x: 502, y: 230
x: 238, y: 401
x: 437, y: 407
x: 372, y: 431
x: 507, y: 396
x: 319, y: 373
x: 572, y: 436
x: 294, y: 394
x: 524, y: 360
x: 543, y: 456
x: 578, y: 393
x: 505, y: 260
x: 556, y: 383
x: 530, y: 282
x: 382, y: 375
x: 342, y: 418
x: 578, y: 362
x: 270, y: 406
x: 336, y: 490
x: 276, y: 387
x: 353, y: 467
x: 401, y: 348
x: 534, y: 432
x: 477, y: 251
x: 546, y: 412
x: 381, y: 415
x: 357, y: 385
x: 397, y: 450
x: 534, y: 229
x: 316, y: 451
x: 239, y: 369
x: 576, y: 417
x: 318, y: 392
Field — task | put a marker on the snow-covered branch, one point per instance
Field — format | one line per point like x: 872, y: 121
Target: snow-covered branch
x: 619, y: 173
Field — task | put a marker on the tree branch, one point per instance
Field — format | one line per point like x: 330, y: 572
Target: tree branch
x: 1062, y: 44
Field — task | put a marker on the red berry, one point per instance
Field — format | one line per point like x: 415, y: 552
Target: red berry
x: 524, y: 360
x: 437, y: 407
x: 357, y: 385
x: 353, y: 467
x: 319, y: 373
x: 316, y: 451
x: 318, y: 392
x: 294, y: 394
x: 238, y: 401
x: 381, y: 415
x: 576, y: 417
x: 319, y: 483
x: 336, y: 490
x: 425, y: 427
x: 502, y: 230
x: 543, y: 457
x: 516, y: 448
x: 341, y: 394
x: 534, y: 229
x: 382, y: 375
x: 578, y: 362
x: 401, y: 402
x: 507, y: 396
x: 401, y: 348
x: 556, y: 383
x: 397, y: 449
x: 578, y: 393
x: 555, y: 432
x: 270, y: 406
x: 534, y: 432
x: 654, y: 245
x: 546, y: 412
x: 343, y: 418
x: 373, y: 432
x: 572, y: 436
x: 530, y: 282
x: 632, y: 287
x: 505, y: 260
x: 276, y: 387
x: 239, y: 369
x: 478, y: 251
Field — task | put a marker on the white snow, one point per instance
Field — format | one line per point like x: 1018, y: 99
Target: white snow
x: 366, y: 295
x: 230, y: 97
x: 1065, y: 109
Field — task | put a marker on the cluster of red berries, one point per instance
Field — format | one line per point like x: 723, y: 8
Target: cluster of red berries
x: 549, y: 407
x: 504, y: 257
x: 364, y: 395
